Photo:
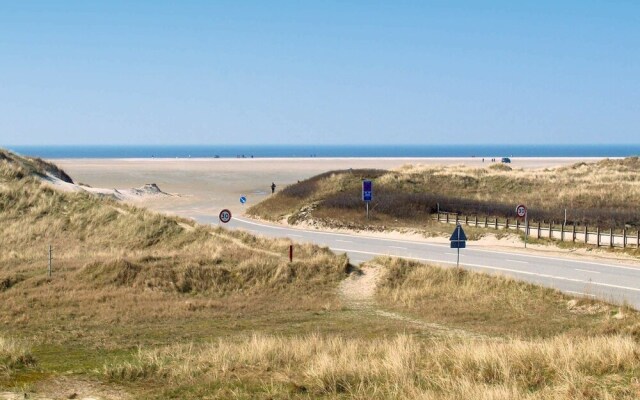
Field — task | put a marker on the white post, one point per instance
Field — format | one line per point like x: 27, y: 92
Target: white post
x: 367, y: 209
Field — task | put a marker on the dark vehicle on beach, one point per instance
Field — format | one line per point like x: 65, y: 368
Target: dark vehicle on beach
x: 506, y: 160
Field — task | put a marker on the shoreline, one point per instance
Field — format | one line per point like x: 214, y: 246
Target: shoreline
x: 310, y: 159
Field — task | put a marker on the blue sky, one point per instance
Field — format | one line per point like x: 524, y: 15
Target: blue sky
x: 323, y: 72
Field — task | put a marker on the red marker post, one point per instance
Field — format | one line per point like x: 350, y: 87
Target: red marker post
x: 521, y: 211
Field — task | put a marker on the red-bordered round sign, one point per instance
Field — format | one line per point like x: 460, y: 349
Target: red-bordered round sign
x: 225, y: 216
x: 521, y: 210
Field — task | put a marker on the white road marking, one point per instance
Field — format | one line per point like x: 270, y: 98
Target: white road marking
x: 518, y: 261
x: 515, y: 271
x: 291, y: 234
x: 344, y: 241
x: 398, y: 247
x: 242, y: 220
x: 452, y: 254
x: 587, y: 270
x: 580, y: 293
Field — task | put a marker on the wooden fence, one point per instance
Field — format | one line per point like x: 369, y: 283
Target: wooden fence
x: 564, y: 233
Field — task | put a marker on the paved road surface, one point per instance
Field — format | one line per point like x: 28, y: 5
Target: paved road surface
x: 606, y: 280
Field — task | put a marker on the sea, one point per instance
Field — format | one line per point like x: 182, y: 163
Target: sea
x: 324, y: 151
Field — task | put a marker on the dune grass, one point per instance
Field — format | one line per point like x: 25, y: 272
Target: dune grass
x: 472, y: 300
x: 604, y: 193
x: 400, y: 367
x: 166, y: 308
x: 14, y: 355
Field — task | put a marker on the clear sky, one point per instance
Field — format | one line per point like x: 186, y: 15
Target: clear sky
x: 319, y: 72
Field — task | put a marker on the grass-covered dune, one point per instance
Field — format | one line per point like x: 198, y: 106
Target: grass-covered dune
x: 123, y: 276
x: 145, y: 306
x: 605, y: 193
x: 497, y: 339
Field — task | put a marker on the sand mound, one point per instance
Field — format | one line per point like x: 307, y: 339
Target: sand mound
x: 149, y: 189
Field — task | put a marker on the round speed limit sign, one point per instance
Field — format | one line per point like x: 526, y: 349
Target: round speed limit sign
x: 225, y: 216
x: 521, y: 210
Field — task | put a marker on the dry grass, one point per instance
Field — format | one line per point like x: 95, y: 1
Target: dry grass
x: 124, y: 276
x: 167, y: 308
x: 402, y: 367
x: 473, y: 301
x: 605, y: 193
x: 14, y: 355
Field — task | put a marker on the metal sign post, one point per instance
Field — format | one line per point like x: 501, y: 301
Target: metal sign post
x: 458, y: 259
x: 521, y: 211
x: 367, y: 193
x: 458, y: 241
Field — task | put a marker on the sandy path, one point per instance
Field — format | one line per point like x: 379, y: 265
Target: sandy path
x: 69, y: 388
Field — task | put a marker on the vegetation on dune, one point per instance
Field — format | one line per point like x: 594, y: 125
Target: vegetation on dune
x: 169, y: 309
x: 471, y: 300
x: 401, y: 367
x: 123, y: 276
x: 18, y: 167
x: 14, y: 355
x: 604, y: 193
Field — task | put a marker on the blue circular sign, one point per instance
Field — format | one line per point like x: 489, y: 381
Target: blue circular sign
x: 243, y: 199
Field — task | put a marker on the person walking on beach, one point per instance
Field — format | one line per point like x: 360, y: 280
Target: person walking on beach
x: 273, y: 188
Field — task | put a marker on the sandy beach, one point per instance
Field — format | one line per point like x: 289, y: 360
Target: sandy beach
x: 205, y: 186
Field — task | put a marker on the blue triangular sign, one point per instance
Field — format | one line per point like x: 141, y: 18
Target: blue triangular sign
x: 456, y: 237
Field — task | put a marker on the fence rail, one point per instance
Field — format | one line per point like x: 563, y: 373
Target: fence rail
x: 538, y: 229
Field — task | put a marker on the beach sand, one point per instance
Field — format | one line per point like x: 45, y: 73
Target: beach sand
x: 205, y: 186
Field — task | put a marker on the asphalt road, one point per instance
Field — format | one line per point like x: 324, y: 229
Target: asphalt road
x: 610, y: 281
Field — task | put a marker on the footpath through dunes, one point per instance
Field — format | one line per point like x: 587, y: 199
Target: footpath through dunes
x: 144, y: 306
x: 604, y: 193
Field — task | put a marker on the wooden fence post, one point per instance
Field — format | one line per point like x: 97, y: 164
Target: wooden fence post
x: 538, y: 229
x: 438, y: 216
x: 457, y: 218
x: 517, y: 225
x: 624, y: 238
x: 638, y: 240
x: 574, y: 232
x: 486, y: 222
x: 562, y: 232
x: 447, y: 218
x: 551, y: 230
x: 496, y: 223
x: 598, y: 234
x: 506, y: 224
x: 466, y: 220
x: 610, y: 237
x: 586, y: 233
x: 476, y: 221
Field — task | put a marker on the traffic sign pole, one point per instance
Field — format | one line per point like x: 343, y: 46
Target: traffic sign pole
x: 526, y: 229
x: 367, y: 193
x: 458, y: 261
x: 521, y: 211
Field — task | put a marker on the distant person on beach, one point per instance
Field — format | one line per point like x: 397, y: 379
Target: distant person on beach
x: 273, y: 188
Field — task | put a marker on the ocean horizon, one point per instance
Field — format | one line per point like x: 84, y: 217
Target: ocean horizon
x: 326, y: 151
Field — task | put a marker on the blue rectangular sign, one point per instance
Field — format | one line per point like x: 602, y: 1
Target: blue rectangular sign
x: 461, y: 244
x: 367, y: 190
